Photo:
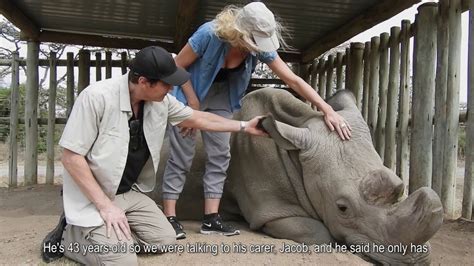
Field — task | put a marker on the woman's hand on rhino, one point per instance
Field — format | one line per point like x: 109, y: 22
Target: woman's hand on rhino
x: 336, y: 122
x: 253, y: 128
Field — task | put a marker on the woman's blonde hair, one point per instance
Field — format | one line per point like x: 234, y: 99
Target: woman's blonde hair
x: 226, y: 29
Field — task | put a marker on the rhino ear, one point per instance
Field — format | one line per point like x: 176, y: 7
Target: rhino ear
x: 342, y: 100
x: 285, y: 136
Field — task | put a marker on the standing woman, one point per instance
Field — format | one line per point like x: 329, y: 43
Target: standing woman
x: 221, y: 56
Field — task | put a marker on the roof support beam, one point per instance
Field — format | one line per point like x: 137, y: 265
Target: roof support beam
x: 378, y: 13
x: 187, y: 13
x: 99, y: 41
x: 19, y: 19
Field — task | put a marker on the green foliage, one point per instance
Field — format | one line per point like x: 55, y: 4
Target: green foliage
x: 4, y: 111
x: 5, y: 105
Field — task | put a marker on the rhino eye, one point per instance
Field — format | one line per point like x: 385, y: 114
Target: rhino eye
x: 342, y: 208
x: 342, y: 205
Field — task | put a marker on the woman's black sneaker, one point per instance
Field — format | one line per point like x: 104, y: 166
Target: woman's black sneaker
x: 178, y: 228
x: 212, y: 224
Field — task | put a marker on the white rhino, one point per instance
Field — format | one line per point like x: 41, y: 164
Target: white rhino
x: 306, y: 184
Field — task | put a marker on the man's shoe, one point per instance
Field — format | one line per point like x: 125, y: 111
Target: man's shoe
x: 212, y: 224
x: 178, y: 228
x: 53, y: 238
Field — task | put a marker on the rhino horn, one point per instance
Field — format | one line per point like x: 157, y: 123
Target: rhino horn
x: 381, y: 187
x: 416, y: 219
x: 285, y: 136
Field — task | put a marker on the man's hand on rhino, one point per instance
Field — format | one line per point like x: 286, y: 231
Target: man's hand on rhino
x: 253, y: 127
x: 336, y: 122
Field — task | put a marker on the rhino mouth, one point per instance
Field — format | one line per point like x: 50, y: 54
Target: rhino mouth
x: 389, y: 256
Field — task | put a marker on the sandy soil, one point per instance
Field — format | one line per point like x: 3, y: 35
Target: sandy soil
x: 25, y: 219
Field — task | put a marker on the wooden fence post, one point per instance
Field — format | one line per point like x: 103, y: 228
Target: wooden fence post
x: 98, y: 66
x: 452, y: 108
x: 404, y: 103
x: 356, y: 72
x: 339, y: 64
x: 51, y: 119
x: 84, y: 70
x: 70, y: 83
x: 346, y: 60
x: 314, y: 75
x: 383, y: 89
x: 124, y: 65
x: 440, y: 97
x: 392, y: 98
x: 366, y: 85
x: 108, y: 64
x: 423, y: 97
x: 31, y: 114
x: 329, y: 75
x: 322, y: 78
x: 13, y: 147
x: 469, y: 171
x: 374, y: 86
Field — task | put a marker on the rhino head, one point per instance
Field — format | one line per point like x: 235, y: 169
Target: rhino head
x: 359, y: 200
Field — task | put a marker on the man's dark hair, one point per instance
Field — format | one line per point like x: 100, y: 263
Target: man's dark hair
x: 133, y: 78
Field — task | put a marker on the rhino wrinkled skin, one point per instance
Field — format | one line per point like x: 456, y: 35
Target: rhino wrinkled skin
x: 306, y: 184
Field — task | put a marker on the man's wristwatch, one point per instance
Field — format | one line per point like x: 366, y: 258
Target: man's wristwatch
x: 243, y: 125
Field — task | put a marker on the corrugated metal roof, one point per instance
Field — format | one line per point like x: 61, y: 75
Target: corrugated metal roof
x: 306, y: 21
x: 152, y: 19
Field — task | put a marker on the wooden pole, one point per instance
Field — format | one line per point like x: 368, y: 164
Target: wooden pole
x: 31, y: 114
x: 70, y: 83
x: 51, y: 119
x: 452, y: 109
x: 329, y: 75
x: 356, y: 71
x: 98, y: 68
x: 339, y: 65
x: 440, y: 97
x: 404, y: 103
x: 346, y: 61
x: 304, y: 72
x: 383, y: 90
x: 13, y: 149
x: 374, y: 85
x: 84, y: 70
x: 392, y: 98
x: 123, y: 57
x: 365, y: 97
x: 322, y: 78
x: 423, y: 97
x: 314, y: 75
x: 467, y: 198
x: 108, y: 64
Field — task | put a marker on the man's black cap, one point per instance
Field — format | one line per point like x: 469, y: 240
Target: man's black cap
x: 154, y: 62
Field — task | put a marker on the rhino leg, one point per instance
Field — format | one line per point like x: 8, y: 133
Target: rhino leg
x: 300, y: 229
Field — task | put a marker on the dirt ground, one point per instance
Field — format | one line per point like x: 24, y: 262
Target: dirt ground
x: 28, y: 213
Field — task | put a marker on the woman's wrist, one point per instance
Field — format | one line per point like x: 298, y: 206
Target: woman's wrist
x: 324, y: 107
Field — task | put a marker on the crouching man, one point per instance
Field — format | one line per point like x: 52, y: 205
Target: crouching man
x: 112, y: 143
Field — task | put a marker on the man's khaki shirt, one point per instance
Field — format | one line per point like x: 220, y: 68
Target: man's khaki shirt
x: 97, y: 128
